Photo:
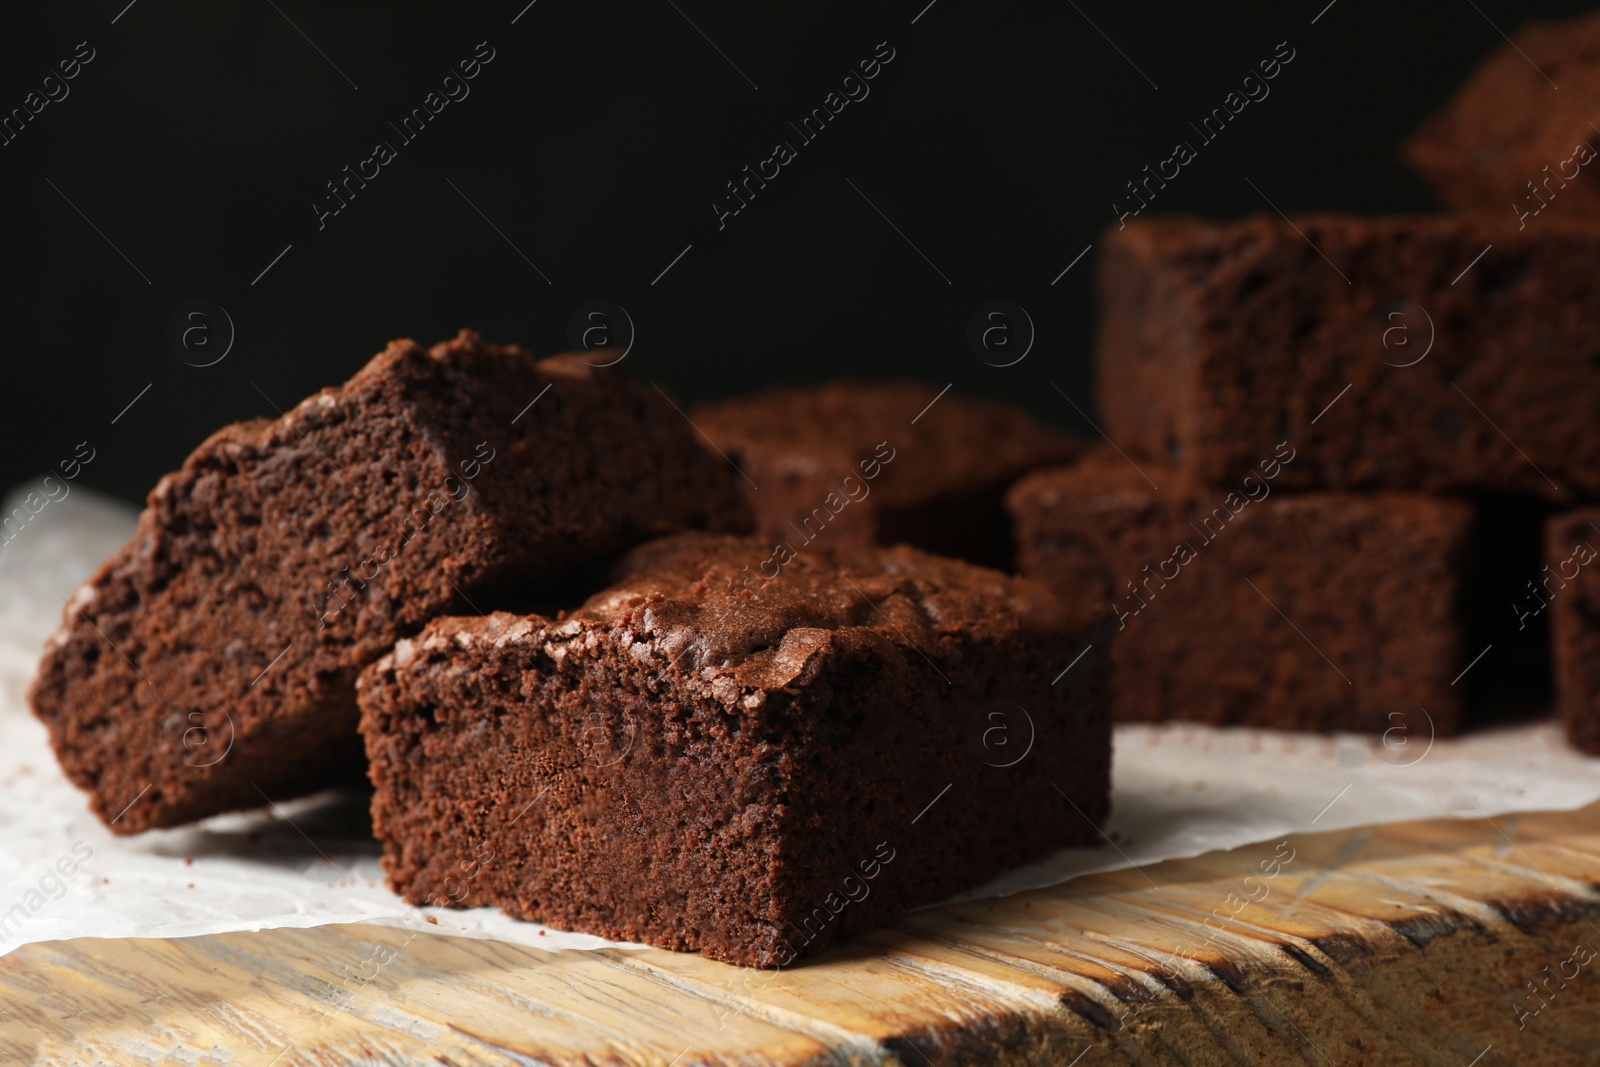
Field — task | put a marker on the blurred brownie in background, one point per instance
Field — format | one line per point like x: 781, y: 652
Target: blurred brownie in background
x: 743, y: 769
x: 1509, y: 142
x: 1400, y: 353
x: 1243, y: 605
x: 855, y: 463
x: 1569, y: 586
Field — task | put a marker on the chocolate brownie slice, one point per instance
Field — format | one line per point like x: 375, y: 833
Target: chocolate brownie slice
x: 1320, y: 611
x: 210, y: 665
x: 856, y: 463
x: 1400, y: 353
x: 1508, y: 142
x: 1569, y: 585
x: 743, y: 772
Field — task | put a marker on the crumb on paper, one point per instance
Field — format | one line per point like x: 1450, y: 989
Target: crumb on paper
x: 434, y: 920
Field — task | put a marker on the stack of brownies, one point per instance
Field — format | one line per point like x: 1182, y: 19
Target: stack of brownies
x: 745, y: 698
x: 678, y: 733
x: 1334, y: 439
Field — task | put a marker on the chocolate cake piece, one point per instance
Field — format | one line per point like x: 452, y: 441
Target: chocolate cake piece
x: 1569, y: 585
x: 856, y: 463
x: 747, y: 771
x: 1508, y: 142
x: 1247, y: 606
x: 210, y: 665
x: 1399, y: 353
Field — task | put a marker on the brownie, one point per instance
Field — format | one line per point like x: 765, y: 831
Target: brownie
x: 210, y: 665
x: 857, y: 463
x: 1317, y: 611
x: 1508, y: 142
x: 747, y: 772
x: 1569, y: 586
x: 1394, y: 353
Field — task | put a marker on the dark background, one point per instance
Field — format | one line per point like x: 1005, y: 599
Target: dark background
x: 200, y: 135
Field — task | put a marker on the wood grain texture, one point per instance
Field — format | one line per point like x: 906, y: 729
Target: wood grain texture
x: 1442, y: 942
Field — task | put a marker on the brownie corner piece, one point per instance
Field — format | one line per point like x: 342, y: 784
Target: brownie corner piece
x: 1570, y: 585
x: 746, y: 770
x: 1506, y: 142
x: 210, y: 664
x: 881, y: 462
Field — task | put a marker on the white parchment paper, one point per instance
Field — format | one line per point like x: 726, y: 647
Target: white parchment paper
x: 1179, y: 791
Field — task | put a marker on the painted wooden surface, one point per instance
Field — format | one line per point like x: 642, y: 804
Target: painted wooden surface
x: 1453, y: 943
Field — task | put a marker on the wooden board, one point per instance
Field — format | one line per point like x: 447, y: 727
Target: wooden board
x: 1442, y: 942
